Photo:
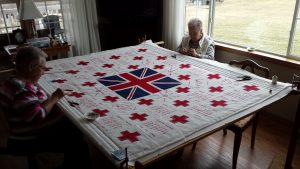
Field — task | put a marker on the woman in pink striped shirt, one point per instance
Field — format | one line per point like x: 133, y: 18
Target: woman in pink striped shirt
x: 31, y: 113
x: 21, y: 94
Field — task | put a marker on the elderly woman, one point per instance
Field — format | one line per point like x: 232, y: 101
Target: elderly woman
x: 197, y: 44
x: 28, y: 101
x: 31, y: 113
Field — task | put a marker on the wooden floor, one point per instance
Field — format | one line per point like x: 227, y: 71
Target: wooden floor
x: 215, y: 151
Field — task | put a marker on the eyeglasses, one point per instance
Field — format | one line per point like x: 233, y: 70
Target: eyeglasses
x: 43, y: 67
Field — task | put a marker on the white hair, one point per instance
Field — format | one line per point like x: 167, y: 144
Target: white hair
x: 195, y: 22
x: 28, y: 57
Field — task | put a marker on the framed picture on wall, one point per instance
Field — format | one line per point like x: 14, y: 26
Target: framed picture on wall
x: 19, y: 36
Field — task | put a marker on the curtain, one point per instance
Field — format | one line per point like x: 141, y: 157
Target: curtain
x: 173, y: 23
x: 81, y: 26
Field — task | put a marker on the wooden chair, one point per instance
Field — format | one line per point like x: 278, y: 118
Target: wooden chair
x: 144, y: 38
x: 244, y: 123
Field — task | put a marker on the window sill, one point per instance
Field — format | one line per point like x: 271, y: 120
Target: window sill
x: 277, y: 59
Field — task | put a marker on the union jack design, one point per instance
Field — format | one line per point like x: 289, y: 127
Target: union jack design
x: 138, y: 83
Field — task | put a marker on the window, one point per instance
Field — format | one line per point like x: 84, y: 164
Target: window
x: 8, y: 20
x: 198, y: 9
x: 52, y: 16
x: 264, y: 25
x: 8, y: 17
x: 50, y: 9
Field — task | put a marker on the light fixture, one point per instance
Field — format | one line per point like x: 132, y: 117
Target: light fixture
x: 28, y: 12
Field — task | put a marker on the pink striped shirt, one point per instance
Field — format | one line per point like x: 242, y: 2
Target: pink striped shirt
x: 24, y: 99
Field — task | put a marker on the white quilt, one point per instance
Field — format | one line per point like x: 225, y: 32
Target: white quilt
x: 149, y: 101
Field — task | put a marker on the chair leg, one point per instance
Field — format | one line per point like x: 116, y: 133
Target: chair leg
x: 236, y: 148
x: 254, y: 126
x: 224, y: 132
x: 194, y: 146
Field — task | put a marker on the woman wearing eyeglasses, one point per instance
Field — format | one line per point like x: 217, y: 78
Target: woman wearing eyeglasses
x: 31, y: 114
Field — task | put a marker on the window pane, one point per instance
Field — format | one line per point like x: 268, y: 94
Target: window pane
x: 10, y: 29
x: 2, y: 31
x: 55, y: 16
x: 296, y: 43
x: 52, y: 17
x: 197, y: 9
x: 10, y: 13
x: 261, y: 24
x: 53, y: 8
x: 42, y: 8
x: 61, y: 25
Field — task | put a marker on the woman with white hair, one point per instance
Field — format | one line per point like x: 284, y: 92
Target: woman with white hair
x: 27, y: 101
x: 31, y: 114
x: 197, y: 44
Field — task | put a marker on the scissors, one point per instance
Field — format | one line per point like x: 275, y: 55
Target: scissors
x: 243, y: 78
x: 73, y: 104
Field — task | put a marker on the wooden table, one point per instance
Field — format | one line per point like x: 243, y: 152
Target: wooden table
x: 50, y: 51
x: 56, y: 51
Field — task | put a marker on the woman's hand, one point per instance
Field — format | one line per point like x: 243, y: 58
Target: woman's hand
x: 53, y: 99
x: 192, y: 52
x: 183, y: 51
x: 58, y: 94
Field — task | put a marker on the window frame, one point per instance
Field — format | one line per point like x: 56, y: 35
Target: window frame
x: 293, y: 31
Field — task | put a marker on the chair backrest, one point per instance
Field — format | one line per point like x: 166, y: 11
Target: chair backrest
x: 253, y: 66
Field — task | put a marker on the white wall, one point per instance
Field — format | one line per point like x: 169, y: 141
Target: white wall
x: 285, y: 108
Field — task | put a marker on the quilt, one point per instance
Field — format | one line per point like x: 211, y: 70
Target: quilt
x: 148, y: 98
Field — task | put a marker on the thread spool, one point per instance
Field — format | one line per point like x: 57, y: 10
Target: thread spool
x: 274, y: 79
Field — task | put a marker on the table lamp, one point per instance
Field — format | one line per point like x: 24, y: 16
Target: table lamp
x: 27, y: 13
